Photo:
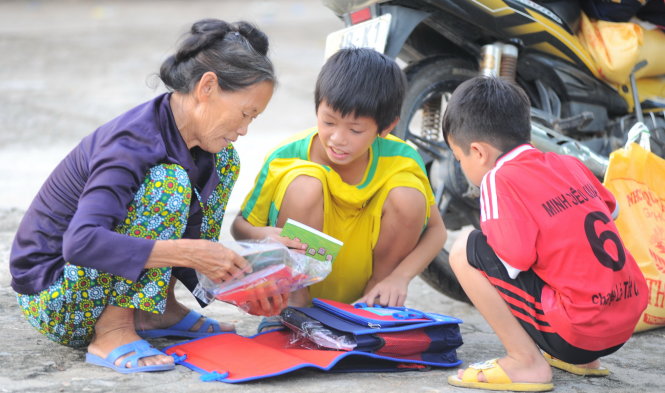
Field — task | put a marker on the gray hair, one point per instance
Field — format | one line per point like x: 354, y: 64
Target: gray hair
x: 235, y: 52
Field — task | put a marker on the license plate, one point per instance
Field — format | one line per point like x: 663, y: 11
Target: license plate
x: 370, y: 34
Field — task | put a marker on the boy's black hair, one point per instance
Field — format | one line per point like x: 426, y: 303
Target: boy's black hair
x: 487, y: 109
x: 362, y: 82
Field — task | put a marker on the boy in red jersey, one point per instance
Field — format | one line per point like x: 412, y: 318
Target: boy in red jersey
x: 547, y: 270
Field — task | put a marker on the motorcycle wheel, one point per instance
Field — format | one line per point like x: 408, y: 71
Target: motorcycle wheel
x: 440, y: 276
x: 431, y: 82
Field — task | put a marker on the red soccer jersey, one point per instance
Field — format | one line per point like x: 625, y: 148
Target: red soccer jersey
x: 547, y: 212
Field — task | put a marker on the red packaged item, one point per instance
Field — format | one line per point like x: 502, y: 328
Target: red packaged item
x: 274, y: 269
x: 252, y: 286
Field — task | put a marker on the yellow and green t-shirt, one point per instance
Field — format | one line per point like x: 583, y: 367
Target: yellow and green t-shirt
x: 352, y: 212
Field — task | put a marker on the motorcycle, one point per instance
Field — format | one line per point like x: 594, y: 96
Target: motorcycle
x: 441, y: 43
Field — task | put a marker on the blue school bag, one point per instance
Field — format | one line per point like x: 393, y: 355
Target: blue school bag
x: 372, y: 339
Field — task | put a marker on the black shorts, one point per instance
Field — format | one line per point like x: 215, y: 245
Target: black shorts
x: 522, y: 295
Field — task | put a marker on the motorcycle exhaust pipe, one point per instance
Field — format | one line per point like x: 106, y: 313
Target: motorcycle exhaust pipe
x: 547, y: 139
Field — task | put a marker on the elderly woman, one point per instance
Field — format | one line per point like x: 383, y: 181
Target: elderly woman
x: 139, y: 202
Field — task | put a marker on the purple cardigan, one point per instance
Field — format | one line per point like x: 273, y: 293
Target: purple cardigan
x: 73, y: 216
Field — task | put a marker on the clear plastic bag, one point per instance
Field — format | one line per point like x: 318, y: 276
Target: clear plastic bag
x: 274, y: 270
x: 309, y: 333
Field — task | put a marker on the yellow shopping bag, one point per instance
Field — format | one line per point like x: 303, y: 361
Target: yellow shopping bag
x: 636, y: 177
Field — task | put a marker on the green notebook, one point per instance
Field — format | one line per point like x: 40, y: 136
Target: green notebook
x: 319, y: 245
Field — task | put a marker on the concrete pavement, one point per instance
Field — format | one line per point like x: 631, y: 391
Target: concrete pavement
x: 68, y: 66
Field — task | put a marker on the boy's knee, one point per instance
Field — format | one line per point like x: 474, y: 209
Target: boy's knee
x: 457, y: 255
x: 407, y: 205
x: 303, y: 201
x: 305, y: 191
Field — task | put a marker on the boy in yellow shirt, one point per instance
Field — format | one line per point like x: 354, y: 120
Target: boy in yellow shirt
x: 350, y: 178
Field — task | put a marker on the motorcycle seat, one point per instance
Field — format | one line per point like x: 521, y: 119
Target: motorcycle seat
x: 568, y: 11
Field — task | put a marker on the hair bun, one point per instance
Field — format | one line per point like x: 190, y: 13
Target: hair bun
x: 235, y: 52
x: 203, y: 34
x: 256, y: 37
x: 211, y: 26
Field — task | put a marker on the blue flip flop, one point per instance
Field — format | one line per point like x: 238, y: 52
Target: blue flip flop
x: 183, y: 328
x: 268, y: 324
x: 141, y: 348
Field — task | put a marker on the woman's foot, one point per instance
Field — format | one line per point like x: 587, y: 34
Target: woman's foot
x: 174, y: 313
x: 114, y: 329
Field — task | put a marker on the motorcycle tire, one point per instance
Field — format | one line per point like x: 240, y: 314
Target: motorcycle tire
x: 439, y: 275
x: 428, y: 77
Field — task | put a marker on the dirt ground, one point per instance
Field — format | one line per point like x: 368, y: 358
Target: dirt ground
x: 68, y: 66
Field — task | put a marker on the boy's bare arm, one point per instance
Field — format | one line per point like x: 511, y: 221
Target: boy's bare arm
x: 429, y: 245
x: 241, y: 229
x: 391, y: 290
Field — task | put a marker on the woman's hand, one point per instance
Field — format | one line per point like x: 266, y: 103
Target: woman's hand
x: 217, y: 262
x: 212, y: 259
x: 390, y: 292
